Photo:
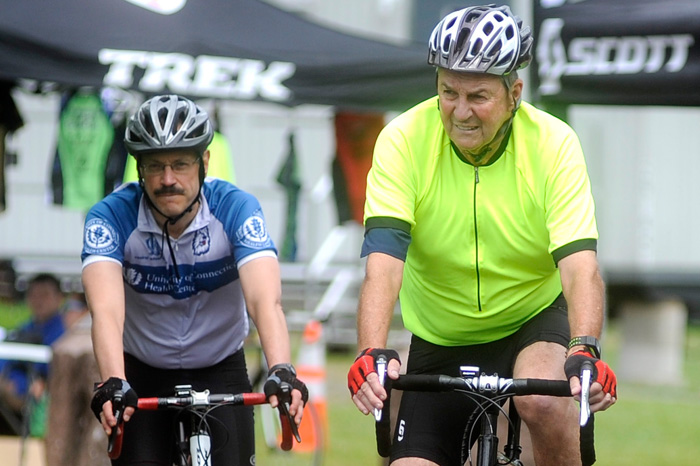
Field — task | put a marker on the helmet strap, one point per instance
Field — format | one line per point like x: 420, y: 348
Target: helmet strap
x: 170, y: 220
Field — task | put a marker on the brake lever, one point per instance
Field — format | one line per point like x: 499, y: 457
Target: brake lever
x: 585, y: 410
x: 118, y: 410
x: 284, y: 407
x: 381, y: 373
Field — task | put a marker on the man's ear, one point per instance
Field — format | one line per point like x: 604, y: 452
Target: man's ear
x: 139, y: 175
x: 516, y: 92
x: 205, y: 161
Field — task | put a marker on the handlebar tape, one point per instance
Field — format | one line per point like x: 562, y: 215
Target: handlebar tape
x: 541, y: 387
x: 286, y: 443
x: 250, y: 399
x: 428, y: 383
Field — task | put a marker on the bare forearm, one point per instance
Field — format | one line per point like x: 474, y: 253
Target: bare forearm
x: 260, y: 281
x: 108, y: 347
x: 584, y: 291
x: 378, y: 296
x: 104, y: 291
x: 274, y: 336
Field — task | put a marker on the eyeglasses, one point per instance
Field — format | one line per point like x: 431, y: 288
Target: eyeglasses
x: 179, y: 167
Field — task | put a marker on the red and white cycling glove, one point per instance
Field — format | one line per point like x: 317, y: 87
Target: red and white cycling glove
x: 602, y: 373
x: 365, y: 364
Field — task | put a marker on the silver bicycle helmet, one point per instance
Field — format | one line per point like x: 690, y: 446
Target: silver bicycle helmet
x: 168, y: 122
x: 481, y: 39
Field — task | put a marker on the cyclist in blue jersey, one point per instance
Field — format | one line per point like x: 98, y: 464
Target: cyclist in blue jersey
x: 173, y: 266
x: 480, y: 220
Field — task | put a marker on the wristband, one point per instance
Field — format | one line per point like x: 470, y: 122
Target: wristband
x: 285, y: 366
x: 591, y: 343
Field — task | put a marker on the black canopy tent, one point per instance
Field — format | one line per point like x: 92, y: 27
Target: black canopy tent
x: 227, y: 49
x: 622, y: 52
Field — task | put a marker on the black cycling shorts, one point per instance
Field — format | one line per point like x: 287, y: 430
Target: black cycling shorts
x: 431, y: 425
x: 149, y: 436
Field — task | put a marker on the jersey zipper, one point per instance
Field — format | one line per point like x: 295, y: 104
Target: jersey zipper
x: 476, y: 242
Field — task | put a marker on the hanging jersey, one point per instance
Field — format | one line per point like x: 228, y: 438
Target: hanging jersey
x: 484, y: 241
x: 85, y: 138
x: 194, y: 318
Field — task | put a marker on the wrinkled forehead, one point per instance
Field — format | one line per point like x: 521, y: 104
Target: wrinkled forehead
x: 461, y: 78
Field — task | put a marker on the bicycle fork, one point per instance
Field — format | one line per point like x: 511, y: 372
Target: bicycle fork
x: 512, y: 449
x: 200, y: 449
x: 488, y: 441
x: 198, y: 444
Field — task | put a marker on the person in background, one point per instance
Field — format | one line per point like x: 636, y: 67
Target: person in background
x: 480, y: 219
x: 24, y: 382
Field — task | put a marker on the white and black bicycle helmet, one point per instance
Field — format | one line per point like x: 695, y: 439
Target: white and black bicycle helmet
x: 168, y: 122
x: 481, y: 39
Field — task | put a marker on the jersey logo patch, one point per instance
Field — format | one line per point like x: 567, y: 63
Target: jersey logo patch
x: 153, y: 246
x: 100, y: 237
x: 132, y: 277
x: 253, y: 232
x: 201, y: 241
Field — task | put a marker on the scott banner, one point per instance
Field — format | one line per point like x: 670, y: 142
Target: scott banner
x: 624, y: 52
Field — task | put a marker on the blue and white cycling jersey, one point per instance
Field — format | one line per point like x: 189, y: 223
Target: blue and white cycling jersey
x: 200, y: 318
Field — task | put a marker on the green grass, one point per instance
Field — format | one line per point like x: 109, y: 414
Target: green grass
x: 652, y: 424
x: 649, y: 426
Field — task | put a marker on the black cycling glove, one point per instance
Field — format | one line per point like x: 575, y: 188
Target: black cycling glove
x: 281, y: 374
x: 105, y: 392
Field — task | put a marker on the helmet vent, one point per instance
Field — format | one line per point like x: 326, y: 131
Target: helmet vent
x: 446, y: 43
x: 463, y: 34
x: 506, y: 58
x: 476, y: 47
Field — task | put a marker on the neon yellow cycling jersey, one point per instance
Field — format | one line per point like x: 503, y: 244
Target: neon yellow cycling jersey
x: 485, y: 240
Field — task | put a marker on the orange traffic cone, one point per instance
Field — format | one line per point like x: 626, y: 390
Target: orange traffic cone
x: 311, y: 369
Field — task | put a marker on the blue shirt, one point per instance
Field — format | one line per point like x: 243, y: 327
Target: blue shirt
x: 39, y: 333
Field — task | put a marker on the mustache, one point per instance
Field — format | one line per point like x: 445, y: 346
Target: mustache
x: 168, y: 190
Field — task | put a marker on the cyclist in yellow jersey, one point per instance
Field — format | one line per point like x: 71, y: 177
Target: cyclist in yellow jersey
x: 479, y: 219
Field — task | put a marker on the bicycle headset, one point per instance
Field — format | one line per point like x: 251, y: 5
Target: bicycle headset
x: 165, y: 123
x: 483, y: 39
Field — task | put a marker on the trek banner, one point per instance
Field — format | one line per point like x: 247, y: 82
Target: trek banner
x: 244, y: 50
x: 622, y: 52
